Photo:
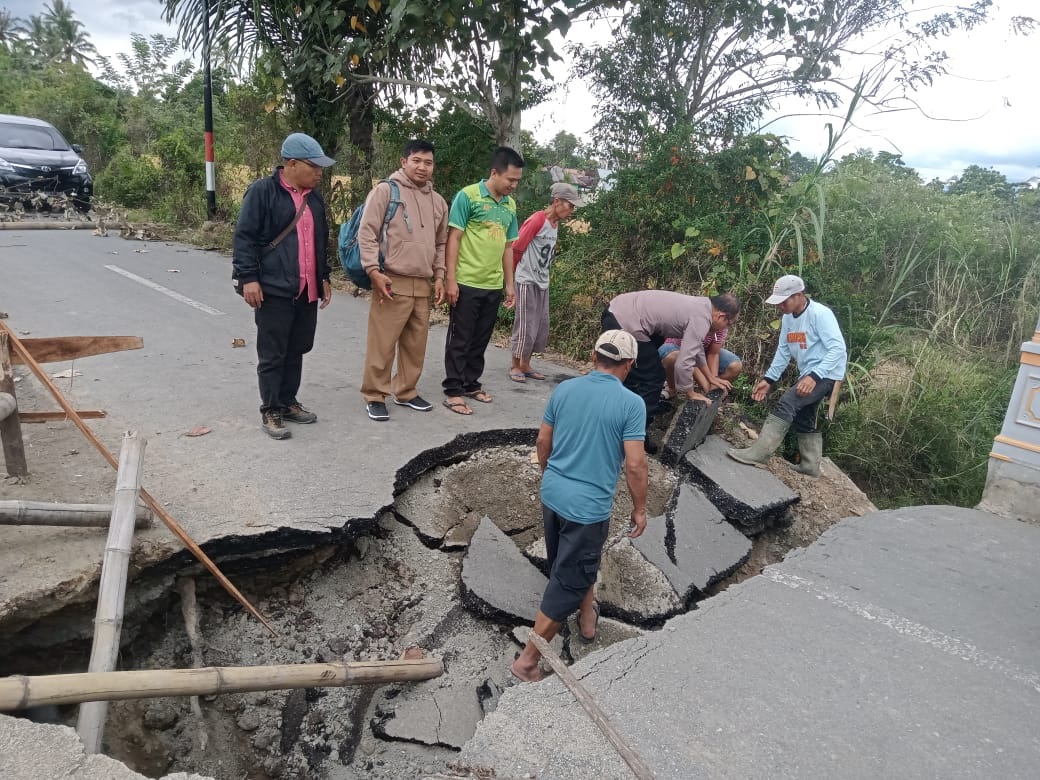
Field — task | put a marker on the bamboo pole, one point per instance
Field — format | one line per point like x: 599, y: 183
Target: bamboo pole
x: 10, y: 426
x: 152, y: 504
x: 18, y: 692
x: 584, y: 698
x: 76, y: 515
x: 108, y: 623
x: 48, y: 225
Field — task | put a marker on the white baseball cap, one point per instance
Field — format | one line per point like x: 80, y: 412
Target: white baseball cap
x: 785, y: 287
x: 617, y: 345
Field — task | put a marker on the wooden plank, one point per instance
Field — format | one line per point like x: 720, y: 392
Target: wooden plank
x: 108, y: 620
x: 41, y: 417
x: 60, y: 348
x: 584, y: 698
x: 18, y: 692
x: 150, y: 502
x: 10, y: 426
x: 833, y: 403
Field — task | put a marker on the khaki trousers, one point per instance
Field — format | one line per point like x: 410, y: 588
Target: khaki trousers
x: 397, y: 328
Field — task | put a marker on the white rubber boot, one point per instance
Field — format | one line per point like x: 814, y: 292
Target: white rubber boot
x: 762, y: 449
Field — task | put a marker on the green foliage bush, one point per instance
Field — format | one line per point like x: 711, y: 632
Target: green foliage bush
x: 129, y: 180
x: 934, y: 291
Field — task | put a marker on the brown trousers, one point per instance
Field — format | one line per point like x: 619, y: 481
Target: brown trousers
x: 397, y: 328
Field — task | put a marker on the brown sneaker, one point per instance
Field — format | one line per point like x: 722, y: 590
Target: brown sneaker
x: 273, y: 426
x: 297, y: 414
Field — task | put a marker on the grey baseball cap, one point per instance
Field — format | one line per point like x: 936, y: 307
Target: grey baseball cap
x: 300, y: 146
x: 561, y: 190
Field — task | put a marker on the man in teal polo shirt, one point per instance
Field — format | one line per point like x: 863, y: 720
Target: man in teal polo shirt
x: 481, y: 229
x: 591, y: 424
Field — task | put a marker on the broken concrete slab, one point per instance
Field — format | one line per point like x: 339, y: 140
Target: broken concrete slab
x: 694, y: 546
x: 689, y: 427
x: 430, y: 505
x: 448, y: 718
x: 749, y: 496
x: 925, y: 616
x: 497, y: 580
x: 608, y: 632
x: 632, y: 588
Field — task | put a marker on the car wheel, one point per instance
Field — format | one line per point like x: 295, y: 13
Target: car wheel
x: 82, y: 205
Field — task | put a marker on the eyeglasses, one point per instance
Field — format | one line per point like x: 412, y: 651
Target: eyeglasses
x: 309, y: 164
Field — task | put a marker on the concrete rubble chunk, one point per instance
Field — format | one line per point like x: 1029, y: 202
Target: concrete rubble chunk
x: 631, y: 588
x: 690, y: 427
x: 448, y: 718
x: 420, y: 508
x: 608, y: 632
x: 31, y: 751
x: 498, y: 582
x: 694, y: 546
x: 536, y: 554
x: 749, y: 496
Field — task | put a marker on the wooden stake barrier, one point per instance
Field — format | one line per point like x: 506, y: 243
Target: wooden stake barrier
x: 19, y: 692
x: 584, y: 698
x: 75, y: 515
x: 154, y: 505
x: 10, y: 427
x: 108, y: 623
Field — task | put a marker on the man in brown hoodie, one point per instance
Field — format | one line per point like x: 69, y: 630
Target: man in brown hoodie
x: 399, y: 312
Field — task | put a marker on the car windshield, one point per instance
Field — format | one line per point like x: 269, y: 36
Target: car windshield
x: 14, y: 136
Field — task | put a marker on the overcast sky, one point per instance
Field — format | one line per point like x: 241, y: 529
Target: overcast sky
x: 988, y: 104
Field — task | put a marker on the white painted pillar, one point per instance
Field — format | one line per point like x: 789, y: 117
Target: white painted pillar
x: 1013, y: 482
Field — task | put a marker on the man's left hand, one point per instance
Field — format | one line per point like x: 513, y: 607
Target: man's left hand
x: 638, y: 522
x: 326, y: 294
x: 805, y: 386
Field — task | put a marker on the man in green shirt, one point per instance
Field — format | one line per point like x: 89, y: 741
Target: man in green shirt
x: 481, y: 229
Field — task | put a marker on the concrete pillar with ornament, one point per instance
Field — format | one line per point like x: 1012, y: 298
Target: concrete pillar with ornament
x: 1013, y: 483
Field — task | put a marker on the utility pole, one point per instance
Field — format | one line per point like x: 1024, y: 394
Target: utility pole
x: 207, y: 102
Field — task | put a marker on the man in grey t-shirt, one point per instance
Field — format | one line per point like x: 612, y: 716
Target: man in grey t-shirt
x: 532, y: 256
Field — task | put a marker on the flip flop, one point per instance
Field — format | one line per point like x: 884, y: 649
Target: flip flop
x: 480, y: 395
x: 457, y: 407
x: 518, y: 376
x: 590, y: 639
x: 534, y: 375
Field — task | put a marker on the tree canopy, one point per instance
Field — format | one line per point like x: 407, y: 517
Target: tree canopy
x: 717, y: 66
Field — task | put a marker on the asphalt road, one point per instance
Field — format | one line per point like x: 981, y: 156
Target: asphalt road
x: 235, y: 481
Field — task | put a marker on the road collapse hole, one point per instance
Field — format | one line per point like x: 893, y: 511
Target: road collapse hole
x: 369, y: 597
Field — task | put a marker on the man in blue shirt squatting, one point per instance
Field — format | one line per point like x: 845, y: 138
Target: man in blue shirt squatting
x: 590, y: 425
x: 809, y: 333
x: 479, y: 267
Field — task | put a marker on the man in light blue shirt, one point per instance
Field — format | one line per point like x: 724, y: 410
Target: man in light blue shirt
x: 590, y: 425
x: 809, y: 334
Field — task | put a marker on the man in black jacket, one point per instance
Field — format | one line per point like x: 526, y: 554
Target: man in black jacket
x: 281, y: 270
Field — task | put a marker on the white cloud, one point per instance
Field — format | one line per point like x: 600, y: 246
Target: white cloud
x: 108, y: 22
